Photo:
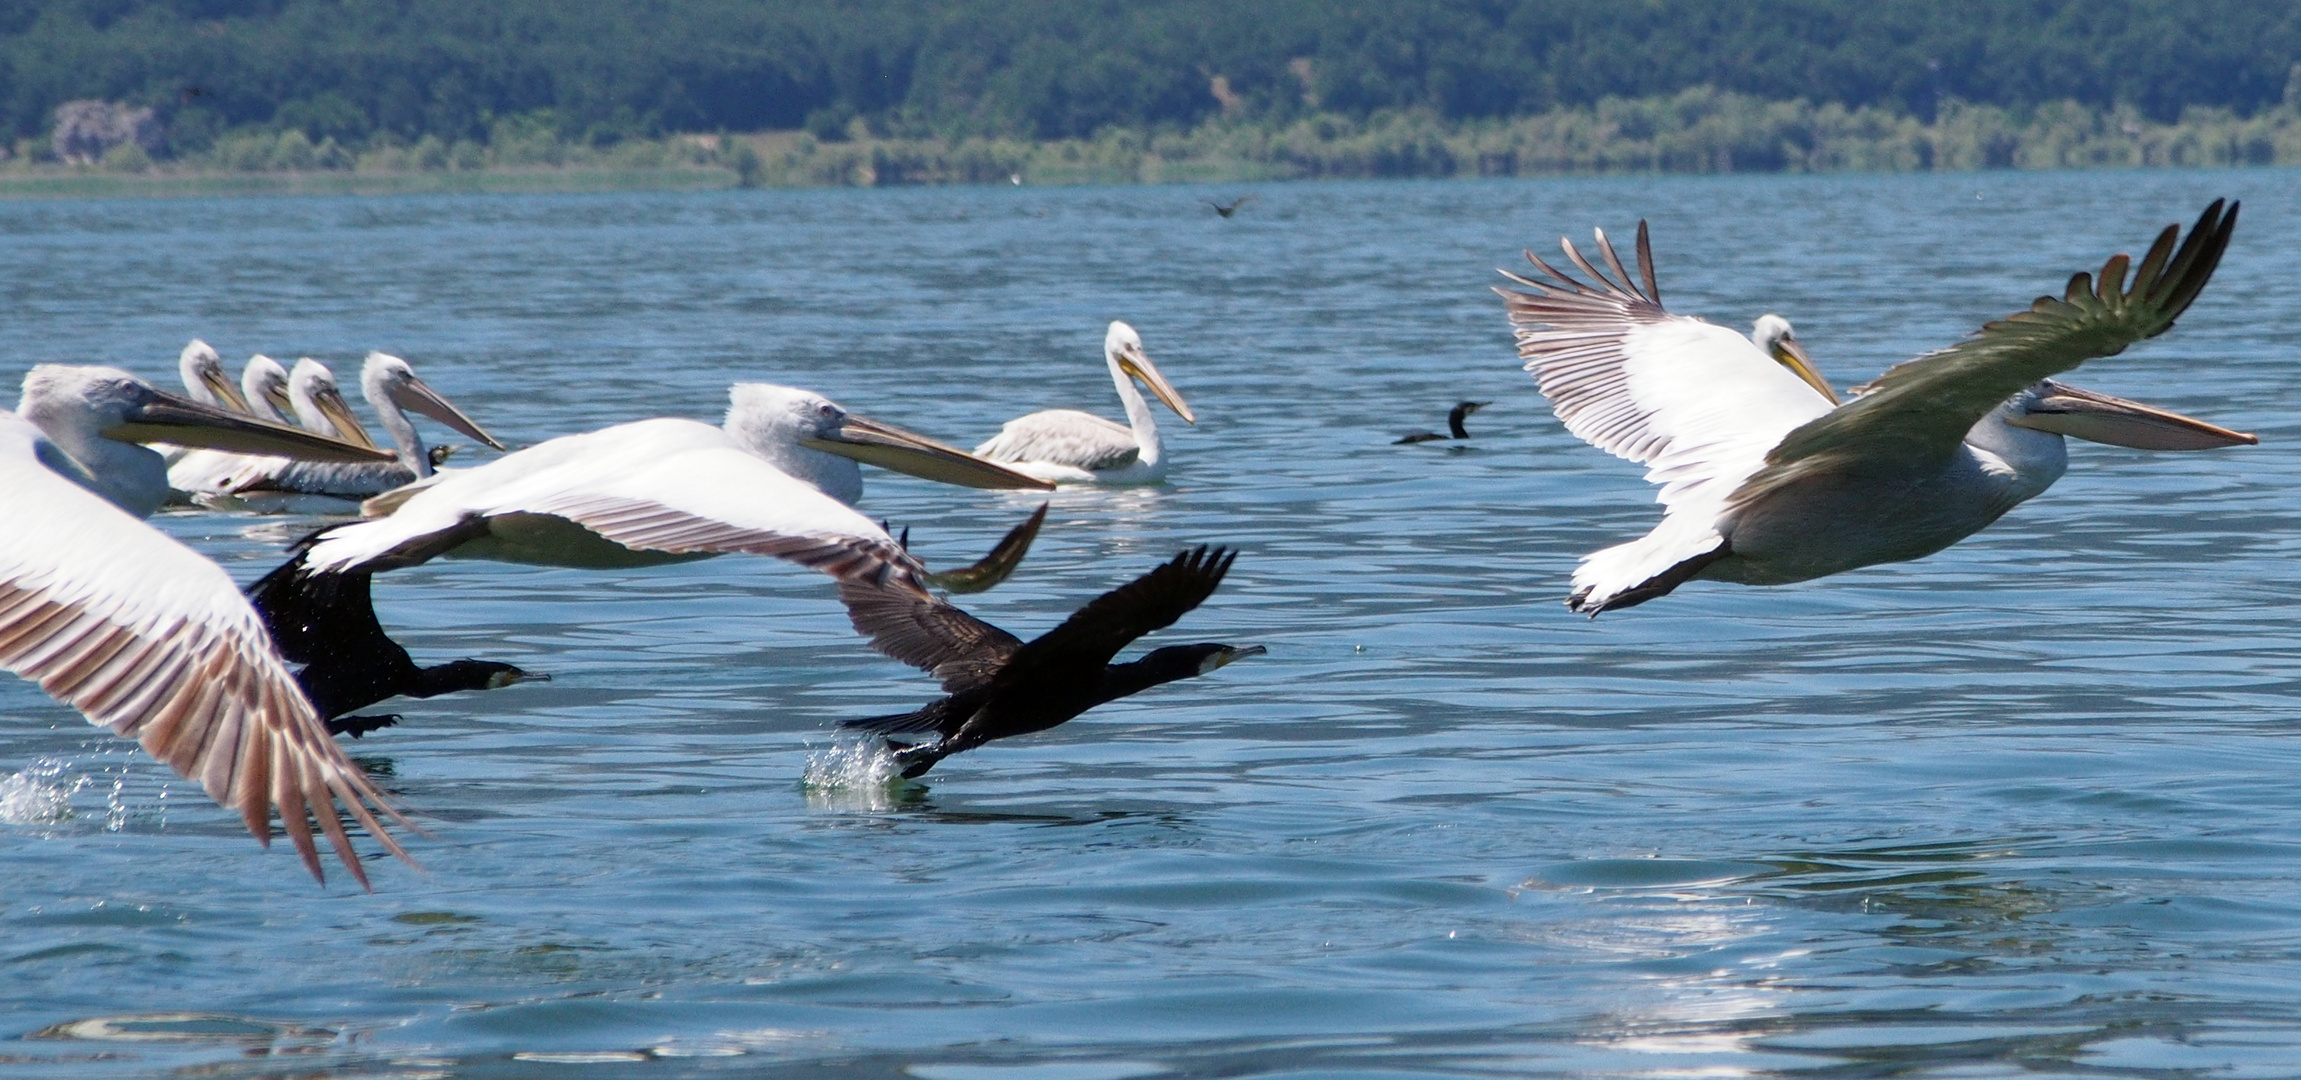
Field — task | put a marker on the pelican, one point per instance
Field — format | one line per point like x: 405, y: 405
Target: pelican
x: 777, y: 478
x: 392, y: 389
x: 203, y: 374
x: 1066, y: 446
x: 144, y: 636
x: 264, y: 395
x: 1767, y: 480
x: 997, y: 687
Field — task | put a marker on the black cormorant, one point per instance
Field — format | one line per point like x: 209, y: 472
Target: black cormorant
x: 1227, y: 211
x: 997, y: 686
x: 1454, y: 418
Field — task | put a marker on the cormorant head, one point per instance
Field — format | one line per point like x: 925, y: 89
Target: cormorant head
x: 1190, y: 661
x: 478, y: 675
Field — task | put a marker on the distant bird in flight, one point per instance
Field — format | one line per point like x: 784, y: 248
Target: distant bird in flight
x: 998, y: 687
x: 1768, y: 480
x: 1454, y: 418
x: 1230, y: 209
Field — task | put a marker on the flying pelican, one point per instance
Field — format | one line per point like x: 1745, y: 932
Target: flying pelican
x: 1454, y: 418
x: 391, y: 389
x: 1071, y: 447
x: 996, y: 686
x: 147, y: 638
x: 776, y: 479
x: 1767, y: 480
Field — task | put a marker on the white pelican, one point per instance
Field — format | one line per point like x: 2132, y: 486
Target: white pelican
x: 203, y: 374
x: 1767, y: 480
x: 264, y: 395
x: 391, y: 388
x: 776, y: 479
x: 98, y: 415
x: 1067, y: 446
x: 150, y: 640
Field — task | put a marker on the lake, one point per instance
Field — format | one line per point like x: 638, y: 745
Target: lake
x: 2026, y: 806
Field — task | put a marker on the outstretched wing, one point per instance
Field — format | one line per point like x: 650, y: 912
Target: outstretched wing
x: 147, y: 638
x: 1921, y: 409
x: 928, y: 633
x: 1697, y: 404
x: 1094, y: 634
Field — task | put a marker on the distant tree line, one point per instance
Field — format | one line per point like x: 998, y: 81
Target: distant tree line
x: 364, y: 73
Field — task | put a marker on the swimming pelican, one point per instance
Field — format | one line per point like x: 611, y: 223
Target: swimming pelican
x: 98, y: 415
x: 996, y: 686
x: 1454, y: 418
x: 1071, y: 447
x: 776, y: 479
x: 1767, y: 480
x: 264, y: 395
x: 150, y: 640
x: 391, y: 389
x: 203, y: 374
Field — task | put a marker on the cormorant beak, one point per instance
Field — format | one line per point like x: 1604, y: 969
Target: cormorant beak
x: 1790, y: 354
x: 1228, y: 656
x: 891, y: 447
x: 164, y: 417
x: 339, y: 412
x: 501, y: 679
x: 2066, y: 410
x: 213, y: 378
x: 414, y: 396
x: 1137, y: 364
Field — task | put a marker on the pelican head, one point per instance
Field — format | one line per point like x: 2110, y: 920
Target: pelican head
x: 98, y: 414
x: 264, y: 386
x: 204, y: 379
x: 1774, y: 337
x: 2062, y: 409
x: 810, y: 437
x: 320, y: 405
x: 1124, y: 349
x: 388, y: 378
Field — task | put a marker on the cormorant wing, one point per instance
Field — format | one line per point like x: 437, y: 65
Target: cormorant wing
x: 1921, y: 409
x: 152, y: 641
x: 928, y: 633
x: 1091, y: 637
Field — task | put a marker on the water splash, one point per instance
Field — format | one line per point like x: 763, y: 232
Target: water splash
x: 854, y: 775
x: 40, y: 794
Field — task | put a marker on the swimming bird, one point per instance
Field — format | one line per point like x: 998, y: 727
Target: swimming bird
x: 775, y: 479
x: 1230, y: 209
x: 1454, y: 418
x: 264, y: 395
x: 203, y: 374
x: 1767, y: 480
x: 1071, y: 447
x: 392, y: 389
x: 147, y: 638
x: 997, y: 687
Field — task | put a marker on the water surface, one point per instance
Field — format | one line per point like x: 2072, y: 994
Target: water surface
x: 2027, y: 806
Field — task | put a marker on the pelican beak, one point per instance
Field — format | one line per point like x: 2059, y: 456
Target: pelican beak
x: 339, y: 413
x: 1790, y: 354
x: 164, y: 417
x: 213, y: 378
x: 414, y: 396
x: 1228, y: 656
x: 890, y: 447
x: 1137, y: 364
x: 277, y: 395
x: 993, y: 568
x: 2066, y: 410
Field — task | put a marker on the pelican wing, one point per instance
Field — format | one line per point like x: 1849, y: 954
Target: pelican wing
x: 1921, y: 409
x: 1094, y: 634
x: 1064, y: 437
x: 1697, y: 404
x: 928, y: 633
x: 672, y: 486
x: 149, y: 639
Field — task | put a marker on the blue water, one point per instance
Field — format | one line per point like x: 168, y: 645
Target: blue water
x: 2029, y: 806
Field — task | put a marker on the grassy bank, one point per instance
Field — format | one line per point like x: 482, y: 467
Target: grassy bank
x: 1699, y: 131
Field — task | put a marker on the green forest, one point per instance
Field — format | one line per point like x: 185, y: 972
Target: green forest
x: 250, y: 85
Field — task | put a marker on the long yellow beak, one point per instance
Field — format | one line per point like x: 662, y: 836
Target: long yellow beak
x: 339, y: 413
x: 890, y: 447
x: 415, y: 396
x: 2083, y: 414
x: 1137, y: 364
x: 171, y: 419
x: 1790, y: 354
x: 213, y: 378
